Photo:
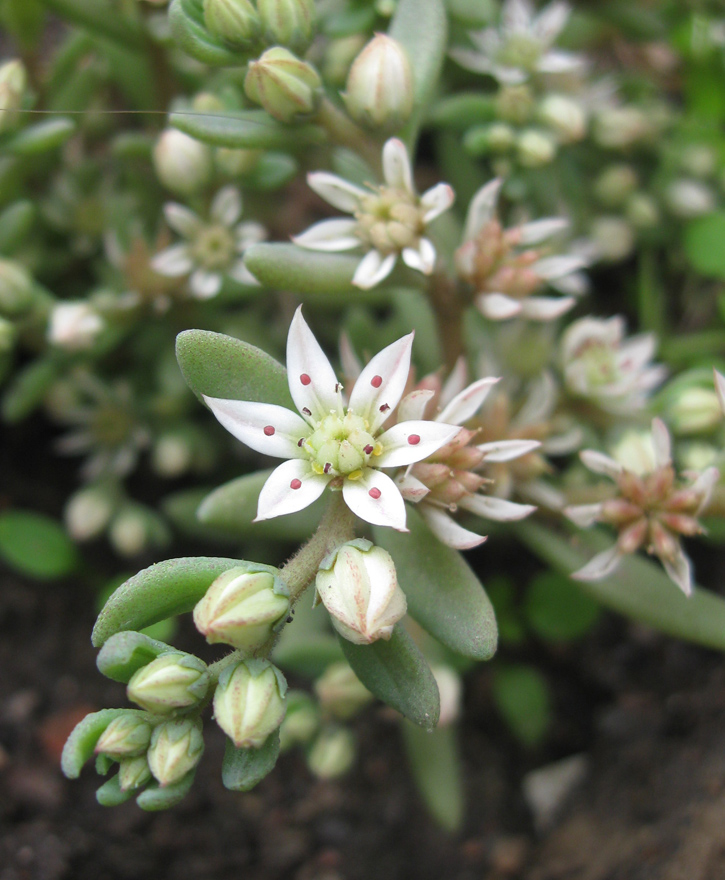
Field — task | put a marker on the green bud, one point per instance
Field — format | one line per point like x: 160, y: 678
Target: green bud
x: 172, y: 454
x: 285, y: 86
x: 535, y: 148
x: 183, y: 165
x: 241, y: 608
x: 234, y: 21
x: 642, y: 211
x: 514, y: 104
x: 133, y: 773
x: 135, y: 528
x: 16, y: 288
x: 13, y: 83
x: 332, y: 754
x: 689, y: 198
x: 300, y: 722
x: 88, y: 512
x: 615, y: 184
x: 125, y: 737
x: 172, y: 682
x: 564, y: 116
x: 340, y: 691
x: 249, y: 702
x: 8, y: 335
x: 290, y: 23
x: 694, y: 410
x: 380, y: 85
x: 613, y: 237
x: 176, y: 747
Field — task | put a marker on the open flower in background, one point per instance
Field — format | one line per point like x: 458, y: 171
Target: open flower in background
x: 390, y: 220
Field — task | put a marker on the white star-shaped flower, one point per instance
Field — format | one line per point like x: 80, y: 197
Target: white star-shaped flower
x: 330, y: 442
x: 388, y: 220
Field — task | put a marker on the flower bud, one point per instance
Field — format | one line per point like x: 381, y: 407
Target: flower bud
x: 88, y: 512
x: 689, y: 198
x: 635, y: 452
x: 514, y: 104
x: 300, y: 722
x: 613, y: 238
x: 642, y: 211
x: 380, y: 85
x: 249, y: 702
x: 176, y: 747
x: 241, y: 608
x: 535, y: 148
x: 234, y: 21
x: 449, y: 688
x: 359, y: 587
x: 13, y: 82
x: 135, y: 528
x: 183, y: 165
x: 133, y: 773
x: 74, y: 326
x: 126, y: 736
x: 169, y: 683
x: 172, y: 454
x: 694, y: 410
x: 620, y: 127
x: 16, y: 288
x: 289, y: 23
x: 615, y: 184
x: 285, y: 86
x: 340, y: 691
x: 564, y: 116
x: 332, y: 754
x: 699, y: 160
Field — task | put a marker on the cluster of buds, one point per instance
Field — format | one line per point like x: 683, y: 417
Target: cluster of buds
x: 652, y: 510
x: 243, y: 24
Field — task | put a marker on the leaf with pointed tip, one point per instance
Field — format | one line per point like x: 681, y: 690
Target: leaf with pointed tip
x: 126, y: 652
x: 245, y: 130
x: 444, y: 595
x: 81, y: 743
x: 163, y: 590
x: 110, y: 794
x: 101, y: 18
x: 156, y: 797
x: 435, y: 765
x: 41, y: 137
x: 242, y: 769
x: 397, y: 673
x: 221, y: 366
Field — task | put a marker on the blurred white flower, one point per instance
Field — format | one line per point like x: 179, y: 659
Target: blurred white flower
x: 74, y: 325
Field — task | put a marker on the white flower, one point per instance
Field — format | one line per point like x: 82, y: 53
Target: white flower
x: 211, y: 250
x: 507, y: 269
x: 521, y: 46
x: 389, y: 220
x: 74, y: 325
x: 604, y: 366
x: 330, y: 442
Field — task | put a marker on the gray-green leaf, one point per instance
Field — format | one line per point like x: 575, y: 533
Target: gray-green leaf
x: 244, y: 768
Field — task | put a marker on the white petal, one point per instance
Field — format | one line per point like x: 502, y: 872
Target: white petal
x: 182, y: 220
x: 472, y: 60
x: 662, y: 444
x: 227, y: 206
x: 336, y: 191
x: 329, y: 235
x: 720, y: 388
x: 549, y: 23
x: 517, y: 15
x: 546, y: 308
x: 351, y: 366
x: 173, y: 261
x: 248, y: 233
x: 204, y: 284
x: 436, y: 200
x: 599, y: 566
x: 539, y: 230
x: 396, y: 166
x: 423, y: 259
x: 447, y: 530
x: 278, y: 495
x: 482, y: 208
x: 554, y: 267
x: 491, y: 507
x: 600, y: 463
x: 507, y: 450
x: 468, y: 402
x: 680, y: 571
x: 312, y: 381
x: 560, y: 62
x: 414, y: 405
x: 247, y: 420
x: 563, y: 444
x: 381, y: 384
x: 583, y: 515
x: 372, y: 269
x: 704, y: 484
x: 574, y: 284
x: 411, y: 488
x: 408, y: 442
x: 240, y: 273
x: 456, y: 382
x: 498, y: 306
x: 384, y: 507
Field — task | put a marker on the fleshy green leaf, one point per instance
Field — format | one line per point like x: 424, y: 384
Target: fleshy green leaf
x: 36, y: 545
x: 125, y: 652
x: 639, y: 588
x: 15, y: 223
x: 40, y: 138
x: 163, y: 590
x: 221, y: 366
x: 444, y: 595
x: 110, y: 794
x: 556, y: 610
x: 28, y: 388
x: 82, y: 741
x: 156, y: 798
x: 186, y: 18
x: 703, y: 240
x: 397, y: 673
x: 244, y: 768
x: 522, y: 697
x: 245, y: 130
x: 101, y: 17
x: 435, y: 764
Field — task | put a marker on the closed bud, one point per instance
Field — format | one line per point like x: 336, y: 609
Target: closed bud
x: 635, y: 452
x: 176, y: 747
x: 289, y: 23
x: 689, y: 198
x: 135, y: 528
x: 615, y: 184
x: 340, y: 691
x: 241, y: 608
x: 13, y: 82
x: 613, y: 238
x: 249, y: 702
x: 133, y: 773
x: 74, y: 326
x: 235, y: 22
x: 694, y: 410
x: 286, y: 87
x: 332, y: 754
x: 359, y: 587
x: 699, y: 160
x: 88, y: 512
x: 172, y: 682
x: 535, y: 148
x: 300, y: 722
x: 172, y: 454
x: 16, y: 288
x: 183, y: 165
x: 380, y: 85
x: 642, y: 211
x: 126, y: 736
x: 564, y: 116
x: 632, y: 538
x: 514, y: 104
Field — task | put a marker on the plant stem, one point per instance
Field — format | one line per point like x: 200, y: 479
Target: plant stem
x: 448, y: 308
x: 343, y: 131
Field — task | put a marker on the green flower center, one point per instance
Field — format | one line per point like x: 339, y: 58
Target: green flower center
x: 521, y: 50
x: 214, y: 248
x: 600, y: 365
x: 341, y: 445
x: 390, y: 220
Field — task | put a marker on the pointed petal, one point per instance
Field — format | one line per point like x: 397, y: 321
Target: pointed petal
x: 599, y: 566
x: 227, y: 206
x: 574, y: 284
x: 490, y: 507
x: 447, y: 530
x: 546, y: 308
x: 372, y: 269
x: 182, y: 220
x: 704, y: 484
x: 662, y: 443
x: 381, y: 384
x: 507, y: 450
x: 336, y: 191
x: 482, y: 208
x: 264, y: 427
x: 351, y: 366
x: 414, y: 405
x: 456, y: 381
x: 423, y: 259
x: 468, y: 402
x: 549, y: 23
x: 384, y: 507
x: 436, y: 200
x: 583, y: 515
x: 517, y: 15
x: 680, y: 571
x: 408, y: 442
x: 599, y: 463
x: 173, y: 261
x: 539, y: 230
x: 240, y: 273
x: 248, y: 233
x: 472, y: 60
x: 498, y: 306
x: 312, y: 381
x: 549, y: 268
x: 557, y: 61
x: 411, y: 488
x: 204, y: 284
x: 396, y: 166
x: 329, y: 235
x: 290, y: 487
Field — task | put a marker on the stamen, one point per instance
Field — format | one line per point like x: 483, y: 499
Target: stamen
x: 269, y: 430
x: 307, y: 412
x: 328, y: 465
x: 385, y: 407
x: 376, y: 381
x: 375, y: 493
x: 300, y: 441
x: 305, y: 379
x: 295, y: 484
x: 414, y: 439
x: 368, y: 450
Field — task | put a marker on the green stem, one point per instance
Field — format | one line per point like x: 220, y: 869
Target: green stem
x: 448, y: 307
x: 343, y: 131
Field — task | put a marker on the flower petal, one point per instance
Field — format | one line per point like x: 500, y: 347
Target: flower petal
x: 574, y: 284
x: 500, y: 509
x: 482, y: 208
x: 336, y: 191
x: 447, y: 530
x: 497, y: 306
x: 507, y: 450
x: 599, y: 463
x: 312, y: 381
x: 599, y: 566
x: 408, y: 442
x: 290, y: 487
x: 376, y: 499
x: 396, y: 166
x: 436, y: 200
x: 173, y: 261
x: 546, y: 308
x: 539, y: 230
x: 329, y: 235
x: 680, y: 571
x: 557, y: 61
x: 264, y: 427
x: 240, y: 273
x: 662, y: 443
x: 182, y: 220
x: 423, y: 259
x: 372, y: 269
x: 414, y: 405
x: 549, y: 23
x: 411, y: 488
x: 583, y: 515
x: 467, y: 403
x: 381, y: 384
x: 704, y: 484
x: 204, y: 284
x: 550, y: 268
x: 226, y: 208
